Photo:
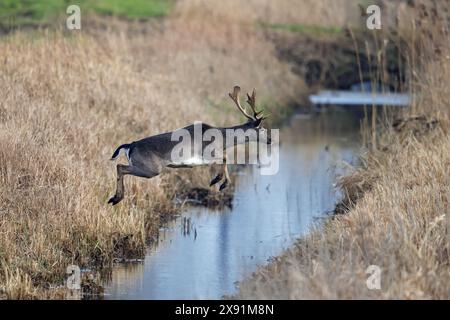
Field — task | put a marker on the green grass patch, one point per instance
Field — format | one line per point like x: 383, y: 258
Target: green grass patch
x: 132, y: 9
x: 16, y: 13
x: 305, y: 29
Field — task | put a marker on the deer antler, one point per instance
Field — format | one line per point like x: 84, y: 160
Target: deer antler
x: 251, y: 100
x: 235, y: 97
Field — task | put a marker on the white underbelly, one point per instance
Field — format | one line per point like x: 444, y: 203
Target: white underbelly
x: 194, y: 161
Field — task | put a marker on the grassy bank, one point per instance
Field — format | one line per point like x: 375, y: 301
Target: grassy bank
x: 66, y: 103
x: 398, y: 203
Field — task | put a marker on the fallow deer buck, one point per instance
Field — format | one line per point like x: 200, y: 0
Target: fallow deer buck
x: 149, y: 156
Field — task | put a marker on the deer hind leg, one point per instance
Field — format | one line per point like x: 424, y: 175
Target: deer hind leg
x: 123, y: 170
x: 222, y: 175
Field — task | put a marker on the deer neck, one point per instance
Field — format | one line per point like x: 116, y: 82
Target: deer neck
x: 235, y: 129
x: 244, y: 126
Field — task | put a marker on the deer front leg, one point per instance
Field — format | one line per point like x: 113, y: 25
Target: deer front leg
x: 225, y: 172
x: 221, y: 175
x: 216, y: 179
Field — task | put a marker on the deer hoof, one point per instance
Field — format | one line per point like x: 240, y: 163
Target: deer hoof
x: 115, y: 200
x: 216, y: 179
x: 223, y: 185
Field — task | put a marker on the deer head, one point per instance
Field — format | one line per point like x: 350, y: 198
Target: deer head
x: 255, y: 120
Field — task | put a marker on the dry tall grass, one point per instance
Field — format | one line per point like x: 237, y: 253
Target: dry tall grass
x: 401, y: 218
x: 66, y: 103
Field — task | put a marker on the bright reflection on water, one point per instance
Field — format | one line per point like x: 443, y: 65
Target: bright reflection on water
x: 205, y: 259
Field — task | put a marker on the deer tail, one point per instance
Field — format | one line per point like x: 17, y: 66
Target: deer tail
x: 117, y: 152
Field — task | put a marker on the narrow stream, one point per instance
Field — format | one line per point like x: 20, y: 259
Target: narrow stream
x: 203, y: 253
